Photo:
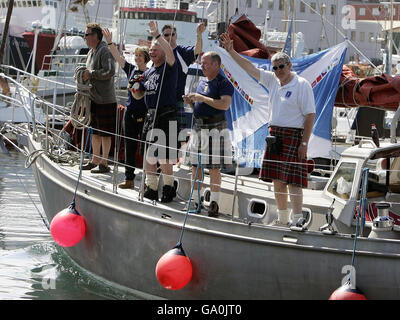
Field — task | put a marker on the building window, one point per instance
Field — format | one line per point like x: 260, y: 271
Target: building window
x: 248, y: 3
x: 259, y: 4
x: 361, y: 11
x: 281, y: 5
x: 353, y: 36
x: 302, y: 7
x: 270, y: 4
x: 362, y: 36
x: 375, y: 11
x: 371, y: 37
x: 313, y: 7
x: 333, y: 9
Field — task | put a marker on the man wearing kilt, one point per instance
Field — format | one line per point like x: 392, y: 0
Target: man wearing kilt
x: 291, y: 121
x: 158, y: 87
x: 100, y: 72
x: 211, y: 138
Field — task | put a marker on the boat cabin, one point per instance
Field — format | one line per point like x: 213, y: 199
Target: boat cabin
x: 344, y: 188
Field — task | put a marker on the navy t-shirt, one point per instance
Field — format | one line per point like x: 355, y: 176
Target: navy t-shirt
x: 138, y: 105
x: 187, y: 55
x: 217, y: 87
x: 151, y: 84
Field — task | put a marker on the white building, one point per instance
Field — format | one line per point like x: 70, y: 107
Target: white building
x: 324, y: 23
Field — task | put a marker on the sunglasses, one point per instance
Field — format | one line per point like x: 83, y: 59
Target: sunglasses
x: 88, y: 34
x: 281, y: 66
x: 168, y: 34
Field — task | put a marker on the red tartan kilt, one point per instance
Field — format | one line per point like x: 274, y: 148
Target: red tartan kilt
x: 286, y: 166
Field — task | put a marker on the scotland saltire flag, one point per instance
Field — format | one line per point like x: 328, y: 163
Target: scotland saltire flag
x: 249, y: 113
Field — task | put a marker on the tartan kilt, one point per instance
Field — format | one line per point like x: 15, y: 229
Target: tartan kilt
x: 214, y: 144
x: 285, y: 166
x: 103, y: 118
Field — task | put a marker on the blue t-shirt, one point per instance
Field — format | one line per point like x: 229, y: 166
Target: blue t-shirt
x: 138, y: 105
x: 151, y: 84
x: 217, y: 87
x: 187, y: 55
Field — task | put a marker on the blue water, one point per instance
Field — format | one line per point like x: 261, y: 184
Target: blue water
x: 32, y: 266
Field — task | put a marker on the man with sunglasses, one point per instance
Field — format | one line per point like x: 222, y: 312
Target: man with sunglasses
x: 158, y: 88
x: 100, y: 70
x: 292, y: 114
x: 184, y: 56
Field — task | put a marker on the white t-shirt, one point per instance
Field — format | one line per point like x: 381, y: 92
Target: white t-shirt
x: 289, y: 103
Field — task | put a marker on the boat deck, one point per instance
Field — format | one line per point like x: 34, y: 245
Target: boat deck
x: 248, y: 188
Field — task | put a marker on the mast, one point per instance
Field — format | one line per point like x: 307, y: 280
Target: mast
x: 3, y: 82
x: 390, y: 37
x: 285, y: 17
x: 293, y: 27
x: 5, y: 30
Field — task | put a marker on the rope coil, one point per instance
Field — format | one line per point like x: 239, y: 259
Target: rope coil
x: 80, y: 109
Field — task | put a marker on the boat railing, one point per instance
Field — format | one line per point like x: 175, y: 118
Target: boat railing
x: 167, y: 4
x: 24, y: 74
x: 54, y: 65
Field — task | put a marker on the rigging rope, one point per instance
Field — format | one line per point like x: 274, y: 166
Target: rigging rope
x: 80, y: 109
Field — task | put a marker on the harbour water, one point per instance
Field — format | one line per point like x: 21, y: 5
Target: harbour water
x: 32, y: 266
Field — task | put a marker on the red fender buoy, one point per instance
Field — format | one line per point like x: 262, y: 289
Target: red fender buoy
x: 67, y: 227
x: 345, y: 292
x: 174, y: 269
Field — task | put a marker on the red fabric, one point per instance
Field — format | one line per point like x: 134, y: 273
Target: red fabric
x: 380, y: 91
x: 246, y: 38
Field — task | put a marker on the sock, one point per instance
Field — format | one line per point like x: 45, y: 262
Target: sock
x: 283, y: 215
x: 168, y: 180
x: 214, y: 197
x: 152, y: 181
x: 294, y: 217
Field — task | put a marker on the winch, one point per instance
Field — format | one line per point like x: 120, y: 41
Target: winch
x: 382, y: 225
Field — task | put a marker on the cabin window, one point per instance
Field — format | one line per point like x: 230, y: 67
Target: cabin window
x: 342, y: 182
x: 24, y: 3
x: 29, y: 3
